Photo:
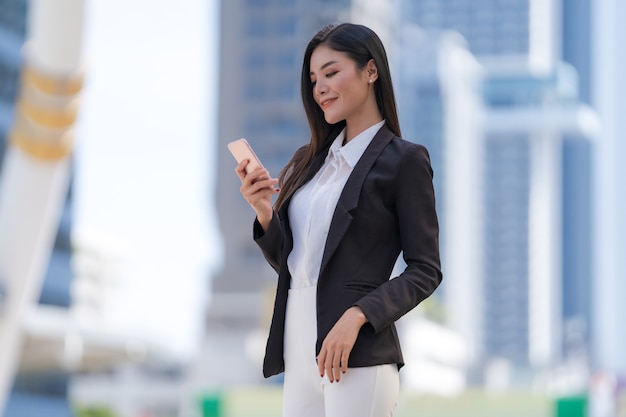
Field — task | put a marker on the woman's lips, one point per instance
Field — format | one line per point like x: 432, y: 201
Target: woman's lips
x: 327, y: 102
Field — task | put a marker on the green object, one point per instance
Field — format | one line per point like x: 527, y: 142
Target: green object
x: 211, y: 405
x: 571, y: 407
x: 94, y: 412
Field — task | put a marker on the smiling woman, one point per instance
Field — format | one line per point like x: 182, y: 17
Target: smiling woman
x: 349, y: 202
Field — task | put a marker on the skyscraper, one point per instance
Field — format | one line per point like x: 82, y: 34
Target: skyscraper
x: 522, y: 268
x: 578, y: 202
x: 440, y: 106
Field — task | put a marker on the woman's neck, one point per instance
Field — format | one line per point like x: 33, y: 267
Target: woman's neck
x: 355, y: 129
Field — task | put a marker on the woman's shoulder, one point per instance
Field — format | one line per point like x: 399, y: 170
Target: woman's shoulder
x: 409, y: 148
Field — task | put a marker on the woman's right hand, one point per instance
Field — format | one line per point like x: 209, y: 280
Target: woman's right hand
x: 257, y: 188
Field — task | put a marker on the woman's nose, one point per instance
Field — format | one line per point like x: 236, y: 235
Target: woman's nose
x: 320, y: 87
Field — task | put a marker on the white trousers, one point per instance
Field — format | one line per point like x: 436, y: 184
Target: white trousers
x: 361, y: 392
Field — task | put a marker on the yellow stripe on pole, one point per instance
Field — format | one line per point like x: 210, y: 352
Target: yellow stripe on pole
x: 43, y: 149
x: 57, y: 84
x: 46, y: 110
x: 54, y: 118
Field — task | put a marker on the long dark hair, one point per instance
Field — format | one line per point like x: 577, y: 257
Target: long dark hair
x: 361, y: 45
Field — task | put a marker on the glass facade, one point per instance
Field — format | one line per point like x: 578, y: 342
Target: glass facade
x: 578, y: 193
x: 498, y: 30
x: 12, y: 32
x: 491, y: 27
x: 507, y: 186
x: 577, y: 244
x: 507, y: 201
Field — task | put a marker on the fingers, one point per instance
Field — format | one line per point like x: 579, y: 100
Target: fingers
x: 248, y: 178
x: 266, y: 186
x: 338, y: 344
x: 321, y: 361
x: 241, y: 169
x: 257, y: 183
x: 257, y: 188
x: 344, y: 361
x: 333, y: 363
x: 335, y: 370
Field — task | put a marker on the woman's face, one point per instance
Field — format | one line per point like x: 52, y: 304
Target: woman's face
x: 343, y: 91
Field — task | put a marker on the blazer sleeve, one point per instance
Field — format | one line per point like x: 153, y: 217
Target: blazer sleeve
x: 419, y: 239
x: 270, y: 241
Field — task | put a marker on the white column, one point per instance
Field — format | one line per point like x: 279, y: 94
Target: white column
x: 36, y: 169
x: 544, y: 293
x: 609, y: 98
x: 544, y: 34
x: 463, y: 194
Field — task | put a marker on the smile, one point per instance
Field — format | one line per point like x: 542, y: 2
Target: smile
x: 327, y: 102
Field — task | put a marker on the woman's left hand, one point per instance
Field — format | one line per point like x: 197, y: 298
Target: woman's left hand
x: 337, y: 345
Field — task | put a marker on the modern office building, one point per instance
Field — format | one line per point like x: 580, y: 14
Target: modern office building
x: 529, y: 273
x: 579, y: 205
x: 519, y: 43
x: 438, y: 89
x: 512, y: 28
x: 592, y: 34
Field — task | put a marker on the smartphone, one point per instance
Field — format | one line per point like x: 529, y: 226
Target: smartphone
x: 242, y: 150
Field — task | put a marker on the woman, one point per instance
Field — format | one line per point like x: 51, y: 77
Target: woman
x: 349, y: 202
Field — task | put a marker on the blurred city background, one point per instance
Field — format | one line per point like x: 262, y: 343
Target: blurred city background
x: 129, y: 282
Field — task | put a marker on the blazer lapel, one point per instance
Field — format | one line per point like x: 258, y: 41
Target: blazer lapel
x: 349, y: 198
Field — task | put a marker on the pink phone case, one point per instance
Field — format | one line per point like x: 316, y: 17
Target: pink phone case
x: 241, y: 150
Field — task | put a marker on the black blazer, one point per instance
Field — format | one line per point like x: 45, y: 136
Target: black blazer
x: 386, y: 206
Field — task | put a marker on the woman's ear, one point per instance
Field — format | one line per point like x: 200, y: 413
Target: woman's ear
x: 372, y: 70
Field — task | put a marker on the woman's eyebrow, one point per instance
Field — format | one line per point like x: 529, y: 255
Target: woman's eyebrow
x: 324, y: 66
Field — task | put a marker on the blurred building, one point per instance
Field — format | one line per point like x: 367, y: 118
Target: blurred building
x: 517, y: 268
x: 579, y: 206
x: 261, y: 42
x: 529, y: 282
x: 438, y: 90
x: 515, y: 28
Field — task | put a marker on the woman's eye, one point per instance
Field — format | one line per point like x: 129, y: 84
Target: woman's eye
x: 330, y: 74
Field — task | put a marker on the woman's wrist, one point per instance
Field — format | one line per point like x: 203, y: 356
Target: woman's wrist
x: 358, y: 315
x: 265, y: 220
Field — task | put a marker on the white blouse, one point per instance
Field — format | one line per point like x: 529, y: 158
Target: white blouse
x: 312, y: 207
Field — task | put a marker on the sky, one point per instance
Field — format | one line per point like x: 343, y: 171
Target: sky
x: 145, y: 163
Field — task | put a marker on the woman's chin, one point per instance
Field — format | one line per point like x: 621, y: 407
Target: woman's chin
x: 330, y: 119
